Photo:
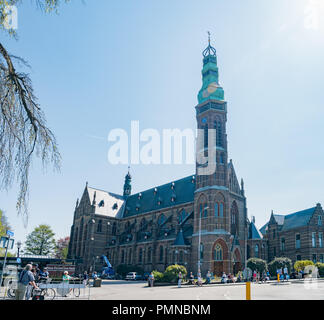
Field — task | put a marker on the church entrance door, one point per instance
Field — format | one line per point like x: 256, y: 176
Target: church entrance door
x: 218, y: 268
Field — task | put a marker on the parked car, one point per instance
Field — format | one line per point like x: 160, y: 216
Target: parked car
x: 133, y: 276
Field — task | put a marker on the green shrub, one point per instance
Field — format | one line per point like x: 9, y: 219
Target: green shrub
x: 277, y: 263
x: 171, y: 273
x: 300, y: 265
x: 123, y: 269
x: 257, y: 265
x: 158, y: 276
x: 320, y: 267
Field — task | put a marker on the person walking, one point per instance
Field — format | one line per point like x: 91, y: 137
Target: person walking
x: 224, y: 278
x: 208, y: 276
x: 254, y: 276
x: 85, y: 278
x: 151, y: 279
x: 26, y: 277
x: 199, y: 279
x: 286, y: 273
x: 179, y: 279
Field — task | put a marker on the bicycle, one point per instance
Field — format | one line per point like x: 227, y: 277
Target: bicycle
x: 47, y: 293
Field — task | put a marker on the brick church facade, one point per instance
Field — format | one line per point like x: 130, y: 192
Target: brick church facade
x: 198, y: 221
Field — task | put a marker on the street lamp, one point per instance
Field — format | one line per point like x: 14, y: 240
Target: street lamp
x: 18, y: 247
x: 199, y: 239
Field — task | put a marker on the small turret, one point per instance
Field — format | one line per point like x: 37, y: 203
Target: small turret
x: 127, y: 184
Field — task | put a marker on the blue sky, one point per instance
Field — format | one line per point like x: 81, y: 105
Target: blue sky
x: 100, y: 64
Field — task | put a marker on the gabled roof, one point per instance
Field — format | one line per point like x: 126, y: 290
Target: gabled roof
x: 279, y: 219
x: 107, y: 203
x: 180, y: 191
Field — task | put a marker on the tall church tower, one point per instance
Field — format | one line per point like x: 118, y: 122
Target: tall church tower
x: 211, y: 206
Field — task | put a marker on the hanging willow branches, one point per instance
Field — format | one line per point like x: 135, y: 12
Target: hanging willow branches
x: 23, y: 129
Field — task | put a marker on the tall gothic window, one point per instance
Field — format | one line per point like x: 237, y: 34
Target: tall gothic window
x: 219, y: 141
x: 216, y: 209
x: 205, y: 210
x: 221, y: 209
x: 234, y: 218
x: 99, y: 226
x: 218, y: 253
x: 161, y: 253
x: 206, y: 136
x: 140, y: 255
x: 256, y: 251
x: 149, y: 254
x: 200, y: 210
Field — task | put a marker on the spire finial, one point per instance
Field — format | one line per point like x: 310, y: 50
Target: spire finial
x: 208, y: 37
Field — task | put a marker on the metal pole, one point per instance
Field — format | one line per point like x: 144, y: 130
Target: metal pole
x: 199, y: 242
x: 4, y: 261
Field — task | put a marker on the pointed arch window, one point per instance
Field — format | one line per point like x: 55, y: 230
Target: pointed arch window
x: 256, y: 251
x: 219, y: 141
x: 161, y: 253
x: 205, y: 210
x: 140, y: 255
x: 221, y: 209
x: 218, y: 253
x: 99, y: 226
x: 216, y: 209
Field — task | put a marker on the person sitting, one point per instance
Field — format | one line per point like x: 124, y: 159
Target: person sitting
x: 191, y: 279
x: 208, y: 277
x: 224, y: 278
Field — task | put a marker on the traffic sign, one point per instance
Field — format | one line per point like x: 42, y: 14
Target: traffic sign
x: 10, y: 233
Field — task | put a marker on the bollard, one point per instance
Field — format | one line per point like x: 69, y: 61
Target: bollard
x: 248, y: 290
x: 278, y: 277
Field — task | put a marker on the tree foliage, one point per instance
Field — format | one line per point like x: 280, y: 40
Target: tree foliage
x: 171, y: 273
x: 4, y: 226
x: 62, y: 246
x: 256, y: 264
x: 301, y: 264
x: 41, y: 241
x: 23, y: 128
x: 320, y: 267
x: 280, y: 262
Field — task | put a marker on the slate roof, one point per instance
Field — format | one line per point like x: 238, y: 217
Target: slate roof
x: 180, y: 240
x: 298, y: 219
x: 291, y: 221
x: 109, y: 199
x: 182, y: 191
x: 254, y: 233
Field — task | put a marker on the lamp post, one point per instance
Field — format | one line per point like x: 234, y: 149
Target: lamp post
x: 18, y: 247
x: 199, y: 240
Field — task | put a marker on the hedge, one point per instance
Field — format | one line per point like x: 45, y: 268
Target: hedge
x: 280, y: 262
x: 301, y: 264
x: 256, y: 264
x: 171, y: 273
x: 320, y: 267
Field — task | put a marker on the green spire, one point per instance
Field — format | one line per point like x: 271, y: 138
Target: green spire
x: 211, y: 88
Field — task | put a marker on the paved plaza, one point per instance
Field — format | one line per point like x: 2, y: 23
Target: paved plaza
x: 125, y: 290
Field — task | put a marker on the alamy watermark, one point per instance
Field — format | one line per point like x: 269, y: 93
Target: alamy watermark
x: 312, y: 14
x: 172, y: 146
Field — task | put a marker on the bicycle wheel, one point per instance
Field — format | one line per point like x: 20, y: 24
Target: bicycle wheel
x: 11, y: 293
x: 49, y: 294
x: 76, y: 292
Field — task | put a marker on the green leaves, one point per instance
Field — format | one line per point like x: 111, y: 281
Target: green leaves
x: 41, y: 241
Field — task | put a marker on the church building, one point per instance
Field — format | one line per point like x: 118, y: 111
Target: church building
x: 199, y: 221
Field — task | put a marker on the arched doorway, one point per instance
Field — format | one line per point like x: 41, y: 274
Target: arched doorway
x: 237, y: 264
x: 220, y: 255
